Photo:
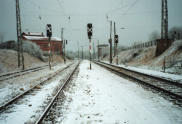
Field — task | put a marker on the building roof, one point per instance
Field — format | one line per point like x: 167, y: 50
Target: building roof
x: 33, y: 34
x: 38, y: 36
x: 41, y: 38
x: 103, y: 45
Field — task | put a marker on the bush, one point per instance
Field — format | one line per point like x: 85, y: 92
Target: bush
x: 32, y: 49
x: 11, y: 44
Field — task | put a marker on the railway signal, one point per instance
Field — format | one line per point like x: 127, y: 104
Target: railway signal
x: 110, y: 42
x: 116, y: 39
x: 49, y: 35
x: 116, y: 44
x: 49, y: 30
x: 89, y: 31
x: 65, y: 42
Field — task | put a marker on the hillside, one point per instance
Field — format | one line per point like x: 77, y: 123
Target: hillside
x: 145, y: 58
x: 8, y: 60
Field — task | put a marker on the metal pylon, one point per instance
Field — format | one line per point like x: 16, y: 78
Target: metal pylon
x: 164, y: 20
x: 19, y: 38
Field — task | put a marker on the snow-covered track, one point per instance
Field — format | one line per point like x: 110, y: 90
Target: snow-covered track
x: 10, y: 75
x: 6, y: 104
x: 169, y: 87
x: 48, y: 108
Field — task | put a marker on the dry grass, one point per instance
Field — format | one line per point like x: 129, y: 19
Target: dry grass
x: 9, y: 60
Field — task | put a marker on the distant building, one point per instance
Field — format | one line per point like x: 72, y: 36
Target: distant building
x: 41, y: 40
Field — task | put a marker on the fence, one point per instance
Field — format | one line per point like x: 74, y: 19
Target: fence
x: 142, y: 45
x: 171, y: 62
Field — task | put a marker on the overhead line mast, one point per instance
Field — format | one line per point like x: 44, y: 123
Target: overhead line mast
x: 164, y: 20
x: 19, y: 38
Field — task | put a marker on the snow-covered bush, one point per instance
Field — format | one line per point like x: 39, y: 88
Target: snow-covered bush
x: 121, y: 48
x: 177, y: 44
x: 71, y: 54
x: 32, y: 49
x: 2, y: 68
x: 11, y: 44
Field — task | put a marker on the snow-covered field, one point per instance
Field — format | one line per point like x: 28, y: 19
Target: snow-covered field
x: 29, y: 108
x: 101, y: 97
x: 13, y: 87
x: 168, y: 76
x: 146, y: 58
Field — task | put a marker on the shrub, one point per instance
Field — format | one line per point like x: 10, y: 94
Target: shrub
x: 11, y: 44
x: 32, y: 49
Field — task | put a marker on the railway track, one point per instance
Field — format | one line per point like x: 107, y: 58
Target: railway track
x: 53, y: 101
x: 11, y: 75
x: 13, y: 100
x: 170, y: 88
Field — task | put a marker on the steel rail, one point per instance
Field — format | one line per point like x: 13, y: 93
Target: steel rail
x: 20, y: 73
x: 43, y: 115
x: 151, y: 76
x: 3, y: 107
x: 172, y: 89
x: 11, y: 73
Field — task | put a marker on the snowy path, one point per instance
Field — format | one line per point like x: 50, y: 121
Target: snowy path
x: 99, y: 96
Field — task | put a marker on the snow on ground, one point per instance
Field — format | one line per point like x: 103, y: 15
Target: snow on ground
x: 168, y: 53
x: 8, y: 61
x: 99, y: 96
x: 13, y: 87
x: 168, y: 76
x: 29, y: 108
x: 156, y: 73
x: 146, y: 58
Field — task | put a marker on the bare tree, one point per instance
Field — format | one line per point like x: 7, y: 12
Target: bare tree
x: 1, y: 37
x: 154, y: 35
x: 175, y: 33
x: 137, y: 43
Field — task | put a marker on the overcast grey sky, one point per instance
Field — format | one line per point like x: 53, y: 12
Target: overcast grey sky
x: 139, y: 17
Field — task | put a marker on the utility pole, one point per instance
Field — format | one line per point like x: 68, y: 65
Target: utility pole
x: 164, y: 20
x: 65, y: 42
x: 93, y: 51
x: 116, y: 52
x: 50, y: 53
x: 98, y: 49
x: 110, y: 41
x: 82, y: 52
x: 62, y: 38
x: 19, y: 38
x: 78, y: 50
x: 114, y: 42
x: 90, y: 48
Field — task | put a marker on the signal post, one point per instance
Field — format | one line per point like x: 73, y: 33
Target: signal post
x: 49, y: 35
x: 89, y: 31
x: 116, y: 44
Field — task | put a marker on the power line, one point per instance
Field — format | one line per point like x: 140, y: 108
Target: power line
x: 120, y: 8
x: 60, y: 5
x: 44, y: 8
x: 132, y: 5
x: 62, y: 11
